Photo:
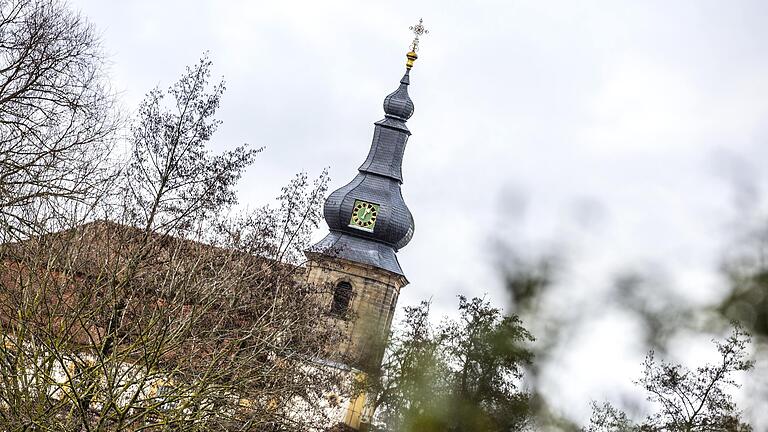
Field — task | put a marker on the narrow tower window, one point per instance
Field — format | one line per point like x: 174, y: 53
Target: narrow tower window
x: 341, y: 297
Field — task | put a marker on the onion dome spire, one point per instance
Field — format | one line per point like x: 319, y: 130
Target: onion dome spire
x: 398, y: 104
x: 368, y: 218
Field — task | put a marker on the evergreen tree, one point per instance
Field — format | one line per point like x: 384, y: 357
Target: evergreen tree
x: 461, y: 376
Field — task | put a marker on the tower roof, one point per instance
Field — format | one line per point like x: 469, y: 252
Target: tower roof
x: 368, y: 218
x: 398, y: 104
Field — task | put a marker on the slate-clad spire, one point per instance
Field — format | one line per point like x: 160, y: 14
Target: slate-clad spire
x: 398, y: 104
x: 390, y: 134
x: 368, y: 218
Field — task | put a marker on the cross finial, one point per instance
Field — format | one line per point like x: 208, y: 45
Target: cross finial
x: 418, y: 30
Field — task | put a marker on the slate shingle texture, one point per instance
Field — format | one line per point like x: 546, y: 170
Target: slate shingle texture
x: 378, y: 182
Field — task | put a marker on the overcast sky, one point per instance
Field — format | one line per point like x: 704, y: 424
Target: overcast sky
x: 614, y: 131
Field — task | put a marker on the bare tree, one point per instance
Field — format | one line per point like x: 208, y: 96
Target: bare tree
x: 57, y: 116
x: 175, y: 315
x: 687, y: 400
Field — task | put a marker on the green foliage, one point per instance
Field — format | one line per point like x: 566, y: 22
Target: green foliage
x: 461, y: 376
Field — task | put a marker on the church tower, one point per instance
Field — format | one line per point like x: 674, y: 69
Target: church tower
x: 369, y: 222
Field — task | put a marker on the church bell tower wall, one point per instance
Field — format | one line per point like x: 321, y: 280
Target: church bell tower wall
x: 365, y: 320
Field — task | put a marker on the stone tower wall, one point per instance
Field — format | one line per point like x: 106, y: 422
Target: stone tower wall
x: 371, y: 308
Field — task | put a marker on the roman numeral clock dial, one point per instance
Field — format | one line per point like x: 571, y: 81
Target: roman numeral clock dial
x: 364, y: 215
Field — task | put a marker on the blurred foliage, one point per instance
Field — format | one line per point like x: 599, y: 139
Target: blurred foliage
x: 530, y: 280
x: 527, y: 279
x: 463, y: 375
x: 644, y: 295
x: 747, y: 300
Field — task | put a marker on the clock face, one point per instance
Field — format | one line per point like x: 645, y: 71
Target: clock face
x: 364, y: 215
